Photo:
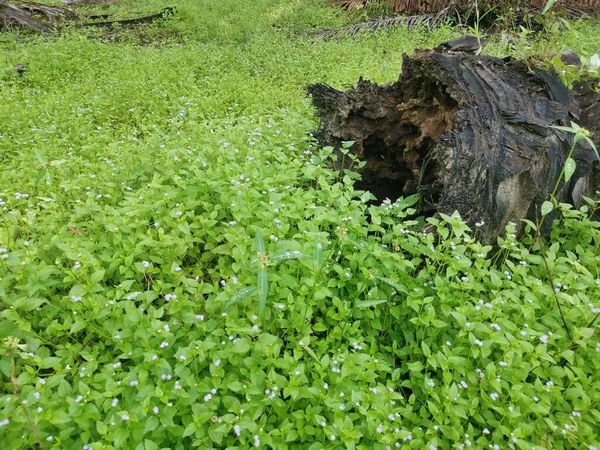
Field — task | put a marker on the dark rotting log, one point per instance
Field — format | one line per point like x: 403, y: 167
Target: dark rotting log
x: 469, y: 133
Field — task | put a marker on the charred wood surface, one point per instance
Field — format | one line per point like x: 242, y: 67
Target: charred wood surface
x: 470, y: 133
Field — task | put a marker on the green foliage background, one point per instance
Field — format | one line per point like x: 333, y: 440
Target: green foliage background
x: 138, y: 169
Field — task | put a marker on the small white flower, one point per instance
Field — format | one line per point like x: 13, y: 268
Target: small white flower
x: 486, y: 431
x: 133, y: 383
x: 79, y: 398
x: 332, y: 437
x: 146, y: 264
x: 115, y: 402
x: 495, y: 326
x: 431, y: 383
x: 4, y: 422
x: 125, y: 416
x: 237, y: 430
x: 464, y: 385
x: 207, y: 397
x: 544, y: 339
x: 155, y: 410
x: 200, y: 317
x: 217, y: 363
x: 164, y: 344
x: 494, y: 395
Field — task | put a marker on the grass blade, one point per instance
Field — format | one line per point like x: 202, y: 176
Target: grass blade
x: 260, y: 243
x: 262, y: 286
x: 397, y: 286
x: 319, y: 256
x: 239, y: 296
x: 369, y: 303
x: 291, y: 254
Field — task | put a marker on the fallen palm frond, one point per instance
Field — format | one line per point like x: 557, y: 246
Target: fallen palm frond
x: 88, y: 2
x: 428, y: 20
x: 572, y: 7
x: 33, y: 16
x: 42, y: 18
x: 136, y: 21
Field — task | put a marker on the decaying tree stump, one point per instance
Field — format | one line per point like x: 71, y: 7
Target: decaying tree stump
x: 470, y: 133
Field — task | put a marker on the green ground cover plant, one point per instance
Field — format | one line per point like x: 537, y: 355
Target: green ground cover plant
x: 180, y: 268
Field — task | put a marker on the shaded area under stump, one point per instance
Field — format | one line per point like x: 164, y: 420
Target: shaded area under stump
x: 469, y: 133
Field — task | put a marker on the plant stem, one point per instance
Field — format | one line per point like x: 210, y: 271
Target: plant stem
x: 543, y: 253
x: 15, y: 383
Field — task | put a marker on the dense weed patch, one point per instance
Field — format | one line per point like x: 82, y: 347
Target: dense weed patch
x: 135, y: 182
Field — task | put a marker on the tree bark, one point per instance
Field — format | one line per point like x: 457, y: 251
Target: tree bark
x: 470, y: 133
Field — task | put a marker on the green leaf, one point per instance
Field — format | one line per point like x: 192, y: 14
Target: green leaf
x: 78, y: 325
x: 291, y: 254
x: 547, y: 207
x: 426, y: 349
x: 570, y: 166
x: 97, y: 276
x: 549, y: 5
x: 101, y: 427
x: 397, y: 286
x: 262, y: 286
x: 369, y: 303
x: 151, y: 424
x: 240, y: 295
x: 150, y: 445
x: 190, y: 429
x: 120, y: 437
x: 311, y: 353
x: 260, y: 243
x: 41, y: 175
x: 241, y: 346
x: 28, y: 303
x: 319, y: 255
